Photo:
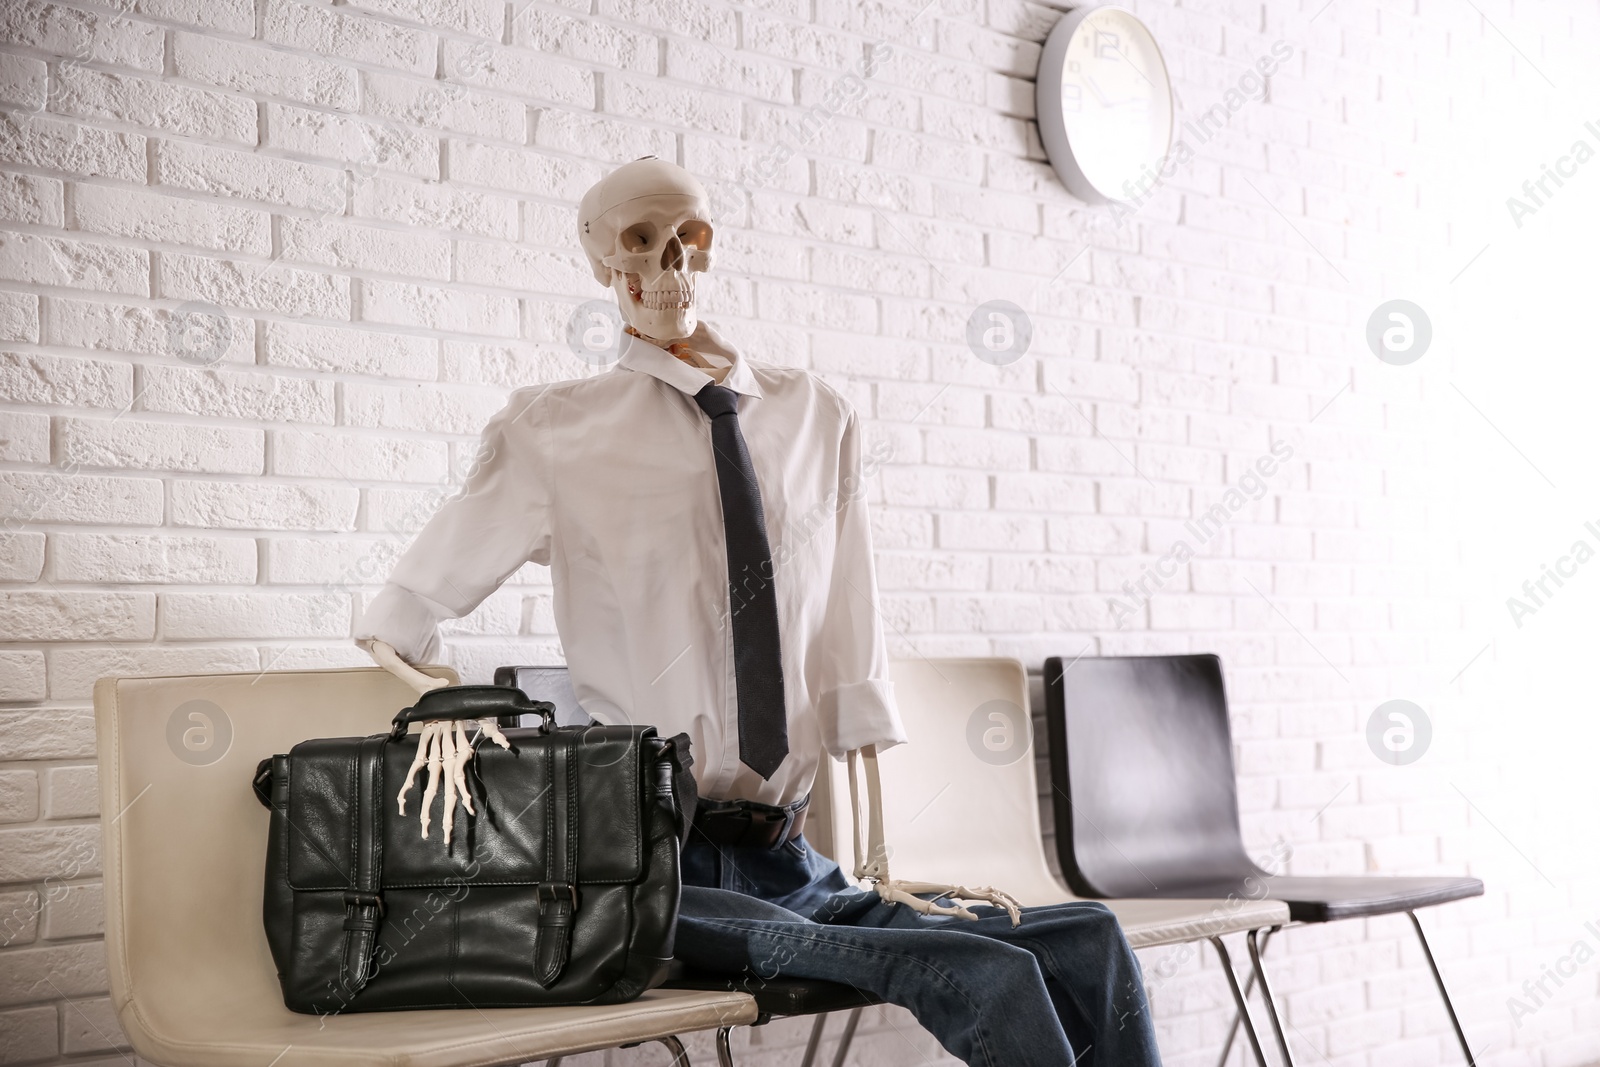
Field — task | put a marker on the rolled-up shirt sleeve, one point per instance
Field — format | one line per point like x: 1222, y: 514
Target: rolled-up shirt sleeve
x: 475, y: 541
x: 855, y: 698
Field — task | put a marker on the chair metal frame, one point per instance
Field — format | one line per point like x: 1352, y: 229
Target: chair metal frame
x: 1259, y: 969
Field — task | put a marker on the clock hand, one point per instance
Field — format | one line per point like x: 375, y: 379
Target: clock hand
x: 1127, y: 59
x: 1108, y: 103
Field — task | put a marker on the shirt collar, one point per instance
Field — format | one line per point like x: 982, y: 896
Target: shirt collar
x: 640, y: 355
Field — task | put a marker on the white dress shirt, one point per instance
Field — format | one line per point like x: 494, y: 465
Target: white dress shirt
x: 611, y: 482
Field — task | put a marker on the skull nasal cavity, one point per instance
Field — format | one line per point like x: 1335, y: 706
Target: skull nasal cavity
x: 672, y: 254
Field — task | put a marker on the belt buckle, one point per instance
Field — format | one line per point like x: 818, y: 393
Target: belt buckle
x: 754, y: 822
x: 758, y: 821
x: 782, y: 816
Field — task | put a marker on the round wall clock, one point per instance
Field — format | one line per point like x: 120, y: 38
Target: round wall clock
x: 1104, y: 104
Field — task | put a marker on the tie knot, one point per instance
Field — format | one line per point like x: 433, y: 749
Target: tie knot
x: 717, y: 400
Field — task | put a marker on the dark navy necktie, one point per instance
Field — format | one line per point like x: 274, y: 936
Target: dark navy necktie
x: 757, y: 660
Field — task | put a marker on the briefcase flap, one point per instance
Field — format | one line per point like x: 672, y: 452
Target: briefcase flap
x: 505, y: 843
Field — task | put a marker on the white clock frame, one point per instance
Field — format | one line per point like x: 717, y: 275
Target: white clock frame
x: 1052, y: 120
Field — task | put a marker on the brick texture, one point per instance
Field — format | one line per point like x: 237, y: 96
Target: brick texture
x: 267, y: 267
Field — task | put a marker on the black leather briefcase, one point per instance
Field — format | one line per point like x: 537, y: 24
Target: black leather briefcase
x: 562, y: 889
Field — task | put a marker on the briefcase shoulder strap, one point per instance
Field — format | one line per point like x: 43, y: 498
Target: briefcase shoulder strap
x: 558, y: 893
x: 363, y: 901
x: 686, y: 791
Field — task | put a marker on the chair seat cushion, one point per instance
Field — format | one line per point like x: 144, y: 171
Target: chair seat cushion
x: 1320, y: 900
x: 258, y: 1032
x: 776, y: 996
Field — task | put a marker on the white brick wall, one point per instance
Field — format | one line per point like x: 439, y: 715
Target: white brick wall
x: 267, y: 266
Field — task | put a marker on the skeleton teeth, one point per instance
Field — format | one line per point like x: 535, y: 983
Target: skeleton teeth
x: 663, y: 299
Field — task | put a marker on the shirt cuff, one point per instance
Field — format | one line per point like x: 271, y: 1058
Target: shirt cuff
x: 859, y: 714
x: 409, y: 622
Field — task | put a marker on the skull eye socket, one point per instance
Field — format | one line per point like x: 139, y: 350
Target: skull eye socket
x: 696, y: 234
x: 638, y: 237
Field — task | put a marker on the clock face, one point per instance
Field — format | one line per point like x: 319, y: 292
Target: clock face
x: 1104, y: 104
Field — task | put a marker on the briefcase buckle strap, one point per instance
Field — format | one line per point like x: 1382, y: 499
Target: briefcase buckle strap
x: 363, y: 911
x: 558, y: 898
x: 363, y: 900
x: 557, y: 891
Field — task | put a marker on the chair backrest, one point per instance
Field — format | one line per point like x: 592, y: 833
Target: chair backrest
x: 1141, y: 758
x: 185, y: 839
x: 546, y: 682
x: 960, y: 800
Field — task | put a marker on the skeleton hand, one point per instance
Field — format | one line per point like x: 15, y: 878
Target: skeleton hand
x: 443, y: 746
x: 872, y: 857
x: 898, y: 892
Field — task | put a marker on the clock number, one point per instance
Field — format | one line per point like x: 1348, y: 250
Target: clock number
x: 1071, y: 96
x: 1107, y: 45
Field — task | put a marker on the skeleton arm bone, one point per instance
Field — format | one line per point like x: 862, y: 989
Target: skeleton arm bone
x: 872, y: 856
x: 390, y: 660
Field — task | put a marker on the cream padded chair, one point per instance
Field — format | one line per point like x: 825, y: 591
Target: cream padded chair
x: 185, y: 842
x: 954, y: 817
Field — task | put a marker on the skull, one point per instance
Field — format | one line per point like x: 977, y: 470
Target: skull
x: 647, y: 232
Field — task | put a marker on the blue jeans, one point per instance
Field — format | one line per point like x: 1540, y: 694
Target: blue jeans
x: 1063, y: 988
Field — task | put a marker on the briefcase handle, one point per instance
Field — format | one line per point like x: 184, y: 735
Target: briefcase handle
x: 473, y: 702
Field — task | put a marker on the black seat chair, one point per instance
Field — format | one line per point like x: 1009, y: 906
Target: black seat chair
x: 775, y: 997
x: 1141, y: 757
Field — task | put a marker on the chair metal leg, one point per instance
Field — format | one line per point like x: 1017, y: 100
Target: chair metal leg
x: 680, y: 1058
x: 816, y: 1039
x: 849, y: 1035
x: 724, y: 1049
x: 1259, y: 971
x: 1238, y: 1000
x: 1438, y: 980
x: 1249, y: 983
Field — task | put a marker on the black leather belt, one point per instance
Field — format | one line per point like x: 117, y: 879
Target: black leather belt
x: 749, y: 824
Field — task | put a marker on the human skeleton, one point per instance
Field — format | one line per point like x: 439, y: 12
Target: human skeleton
x: 647, y: 235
